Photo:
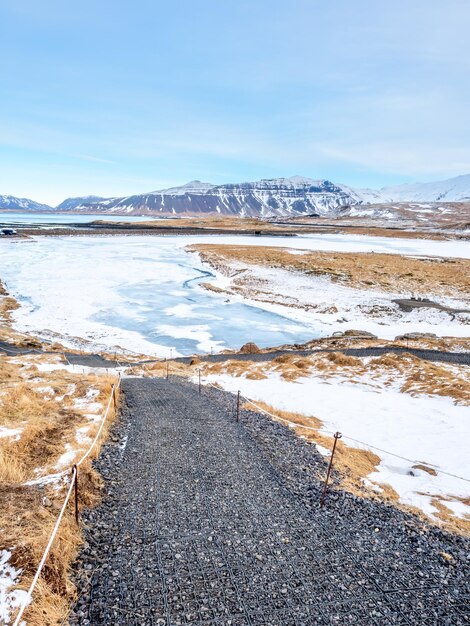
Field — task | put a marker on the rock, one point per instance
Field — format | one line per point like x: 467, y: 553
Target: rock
x: 416, y: 336
x: 360, y: 333
x: 250, y: 348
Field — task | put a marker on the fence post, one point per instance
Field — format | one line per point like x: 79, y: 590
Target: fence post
x: 167, y: 369
x: 238, y: 406
x: 337, y: 436
x: 114, y: 397
x: 76, y: 491
x: 199, y: 381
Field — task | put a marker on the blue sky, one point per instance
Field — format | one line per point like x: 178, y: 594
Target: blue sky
x: 120, y: 97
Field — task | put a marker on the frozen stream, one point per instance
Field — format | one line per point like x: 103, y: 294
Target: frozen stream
x: 143, y: 293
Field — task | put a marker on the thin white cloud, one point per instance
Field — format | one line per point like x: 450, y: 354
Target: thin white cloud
x: 88, y: 157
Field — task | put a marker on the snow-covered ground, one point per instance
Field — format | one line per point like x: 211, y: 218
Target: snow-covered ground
x: 424, y: 429
x: 9, y: 599
x: 128, y: 290
x: 339, y: 307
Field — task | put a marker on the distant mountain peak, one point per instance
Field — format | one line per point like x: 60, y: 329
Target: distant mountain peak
x: 455, y: 189
x: 13, y: 203
x: 69, y: 204
x: 194, y: 186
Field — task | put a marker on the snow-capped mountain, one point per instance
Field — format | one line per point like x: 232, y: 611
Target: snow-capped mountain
x: 70, y: 204
x: 22, y: 204
x: 268, y: 197
x: 275, y: 197
x: 451, y: 190
x: 194, y: 186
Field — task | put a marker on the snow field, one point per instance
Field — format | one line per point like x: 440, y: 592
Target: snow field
x: 423, y: 429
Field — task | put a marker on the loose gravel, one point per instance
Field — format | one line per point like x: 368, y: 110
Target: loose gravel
x: 207, y: 521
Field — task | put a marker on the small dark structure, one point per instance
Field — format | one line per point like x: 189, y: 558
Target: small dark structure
x: 7, y: 231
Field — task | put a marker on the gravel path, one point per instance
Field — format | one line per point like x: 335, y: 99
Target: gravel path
x: 95, y: 360
x: 460, y: 358
x: 206, y: 521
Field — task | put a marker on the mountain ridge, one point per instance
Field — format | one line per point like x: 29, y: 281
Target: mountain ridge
x: 267, y: 197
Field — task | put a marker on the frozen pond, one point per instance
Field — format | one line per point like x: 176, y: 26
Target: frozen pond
x: 143, y: 293
x: 65, y: 218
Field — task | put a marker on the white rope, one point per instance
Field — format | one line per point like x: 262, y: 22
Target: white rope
x: 29, y: 594
x: 27, y: 599
x: 88, y: 452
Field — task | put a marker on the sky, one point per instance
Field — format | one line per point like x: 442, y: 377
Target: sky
x: 117, y: 97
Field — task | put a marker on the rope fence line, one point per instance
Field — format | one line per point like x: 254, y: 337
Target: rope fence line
x: 330, y: 432
x: 364, y: 443
x: 73, y: 483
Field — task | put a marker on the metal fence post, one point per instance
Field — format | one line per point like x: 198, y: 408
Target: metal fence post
x: 199, y: 381
x: 238, y: 406
x: 167, y: 370
x: 76, y: 491
x: 337, y: 436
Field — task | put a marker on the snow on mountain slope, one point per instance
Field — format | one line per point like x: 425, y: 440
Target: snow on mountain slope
x: 280, y: 197
x: 194, y: 186
x: 450, y: 190
x: 69, y: 204
x: 268, y: 197
x: 275, y: 197
x: 22, y: 204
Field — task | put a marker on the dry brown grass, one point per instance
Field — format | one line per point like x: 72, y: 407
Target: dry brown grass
x: 343, y: 360
x: 388, y: 272
x: 38, y: 403
x: 455, y: 524
x: 218, y: 222
x: 436, y: 380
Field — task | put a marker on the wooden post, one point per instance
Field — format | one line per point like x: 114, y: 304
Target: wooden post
x: 325, y: 486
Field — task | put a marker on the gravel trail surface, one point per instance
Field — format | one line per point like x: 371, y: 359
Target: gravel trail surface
x: 207, y: 521
x: 95, y: 360
x: 460, y: 358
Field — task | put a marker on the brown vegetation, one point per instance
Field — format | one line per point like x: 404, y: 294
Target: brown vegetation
x: 47, y: 408
x: 388, y: 272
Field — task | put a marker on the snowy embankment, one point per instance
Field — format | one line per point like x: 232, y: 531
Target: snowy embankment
x: 423, y: 429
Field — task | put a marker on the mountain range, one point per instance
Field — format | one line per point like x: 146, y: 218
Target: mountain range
x: 264, y: 198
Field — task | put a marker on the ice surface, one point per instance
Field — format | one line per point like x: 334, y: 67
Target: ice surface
x: 66, y: 218
x: 143, y: 293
